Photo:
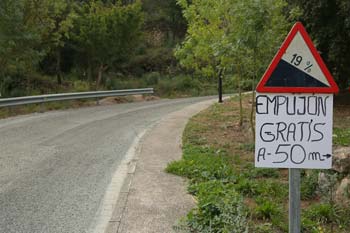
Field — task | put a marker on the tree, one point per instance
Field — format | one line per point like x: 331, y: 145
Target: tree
x: 20, y: 38
x: 164, y: 16
x: 60, y: 16
x: 107, y: 34
x: 231, y: 37
x: 328, y: 22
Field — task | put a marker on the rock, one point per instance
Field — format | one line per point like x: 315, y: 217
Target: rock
x: 342, y: 195
x: 341, y: 160
x: 322, y: 178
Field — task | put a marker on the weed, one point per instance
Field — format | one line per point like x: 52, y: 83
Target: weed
x: 341, y: 136
x: 218, y: 159
x: 249, y: 147
x: 202, y: 164
x: 323, y: 213
x: 309, y: 185
x: 272, y: 188
x: 220, y: 209
x: 267, y: 209
x: 263, y: 228
x: 247, y: 187
x: 252, y: 172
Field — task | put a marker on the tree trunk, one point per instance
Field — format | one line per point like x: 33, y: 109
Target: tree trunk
x: 252, y: 110
x: 252, y: 125
x: 99, y: 76
x: 101, y: 69
x: 58, y: 67
x: 220, y: 85
x: 89, y: 71
x: 240, y: 98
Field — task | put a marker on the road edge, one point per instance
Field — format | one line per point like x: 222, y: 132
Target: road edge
x: 118, y: 188
x: 116, y: 223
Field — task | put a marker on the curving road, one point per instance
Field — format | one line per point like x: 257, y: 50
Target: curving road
x: 55, y: 167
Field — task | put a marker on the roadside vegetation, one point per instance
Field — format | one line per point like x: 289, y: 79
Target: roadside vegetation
x: 179, y: 47
x: 234, y: 196
x: 164, y: 87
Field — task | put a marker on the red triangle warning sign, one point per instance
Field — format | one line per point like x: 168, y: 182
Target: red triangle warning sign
x: 297, y: 67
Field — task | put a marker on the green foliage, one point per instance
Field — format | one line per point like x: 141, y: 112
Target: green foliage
x: 263, y: 228
x: 309, y: 184
x: 81, y: 86
x: 220, y: 209
x: 341, y: 136
x: 328, y: 23
x: 247, y: 187
x: 323, y: 213
x: 164, y: 85
x: 217, y: 175
x: 267, y: 209
x: 265, y: 172
x: 250, y: 147
x: 132, y: 38
x: 235, y: 36
x: 152, y: 78
x: 272, y: 188
x: 327, y: 186
x: 202, y: 164
x: 253, y: 172
x: 163, y: 19
x: 19, y: 36
x: 107, y: 34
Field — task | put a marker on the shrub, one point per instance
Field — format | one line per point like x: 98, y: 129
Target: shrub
x: 323, y: 213
x: 220, y: 209
x: 309, y: 184
x: 152, y: 78
x: 79, y: 86
x: 247, y: 187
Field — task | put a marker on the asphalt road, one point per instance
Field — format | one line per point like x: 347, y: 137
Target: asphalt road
x: 55, y: 167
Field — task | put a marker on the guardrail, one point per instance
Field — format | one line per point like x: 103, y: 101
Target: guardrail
x: 6, y: 102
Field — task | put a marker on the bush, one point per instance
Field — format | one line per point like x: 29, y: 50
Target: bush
x: 323, y: 213
x: 247, y: 187
x: 123, y: 83
x: 309, y: 184
x: 80, y: 86
x: 181, y: 84
x: 220, y: 209
x: 12, y: 86
x: 151, y: 79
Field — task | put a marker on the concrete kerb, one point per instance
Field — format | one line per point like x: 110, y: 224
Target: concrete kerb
x: 110, y: 211
x: 119, y: 209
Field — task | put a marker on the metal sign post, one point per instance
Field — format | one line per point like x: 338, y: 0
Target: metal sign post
x: 294, y: 114
x: 294, y: 200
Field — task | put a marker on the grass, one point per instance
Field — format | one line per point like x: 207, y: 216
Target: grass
x: 341, y: 131
x: 218, y: 159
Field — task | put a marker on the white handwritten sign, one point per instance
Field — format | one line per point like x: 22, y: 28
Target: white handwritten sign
x: 294, y: 130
